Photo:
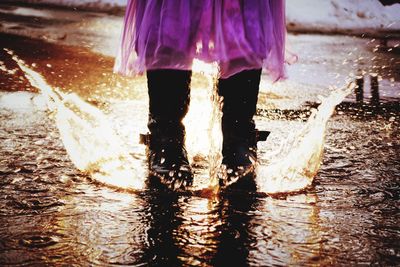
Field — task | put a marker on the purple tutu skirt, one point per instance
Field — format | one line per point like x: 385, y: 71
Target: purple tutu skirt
x: 237, y: 34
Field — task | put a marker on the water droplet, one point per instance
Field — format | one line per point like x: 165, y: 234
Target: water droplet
x: 178, y: 184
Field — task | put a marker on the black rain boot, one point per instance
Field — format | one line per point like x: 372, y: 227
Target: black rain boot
x: 239, y: 148
x: 169, y: 97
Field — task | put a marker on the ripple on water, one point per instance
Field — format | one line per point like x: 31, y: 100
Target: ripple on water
x: 35, y: 204
x: 39, y: 241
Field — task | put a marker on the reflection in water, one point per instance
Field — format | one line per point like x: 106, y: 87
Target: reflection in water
x: 161, y: 228
x: 235, y: 242
x: 106, y: 230
x: 162, y: 219
x: 293, y: 223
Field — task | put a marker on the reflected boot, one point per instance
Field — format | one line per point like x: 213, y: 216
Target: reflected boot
x: 169, y: 97
x: 240, y: 137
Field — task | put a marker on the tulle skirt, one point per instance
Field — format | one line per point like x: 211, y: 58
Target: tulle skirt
x: 237, y: 34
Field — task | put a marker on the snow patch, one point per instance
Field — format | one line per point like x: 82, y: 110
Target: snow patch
x: 340, y: 15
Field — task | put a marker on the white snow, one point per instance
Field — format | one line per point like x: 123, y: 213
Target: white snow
x: 342, y: 15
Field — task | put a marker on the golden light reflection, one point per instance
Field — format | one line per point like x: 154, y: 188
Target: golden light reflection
x: 294, y: 223
x: 101, y: 231
x: 201, y: 230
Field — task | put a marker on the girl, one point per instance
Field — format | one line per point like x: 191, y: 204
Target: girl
x: 161, y: 38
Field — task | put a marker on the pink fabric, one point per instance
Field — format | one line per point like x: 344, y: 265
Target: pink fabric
x: 238, y: 34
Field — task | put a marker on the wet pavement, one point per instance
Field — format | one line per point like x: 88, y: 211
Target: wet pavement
x: 51, y: 214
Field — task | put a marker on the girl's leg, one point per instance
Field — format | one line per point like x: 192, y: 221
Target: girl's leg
x: 169, y: 97
x: 240, y: 95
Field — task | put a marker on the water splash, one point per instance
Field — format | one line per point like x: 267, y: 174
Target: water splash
x: 298, y: 160
x: 203, y: 123
x: 96, y: 149
x: 294, y: 164
x: 89, y: 138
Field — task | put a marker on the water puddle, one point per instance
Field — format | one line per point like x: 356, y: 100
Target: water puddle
x: 53, y: 215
